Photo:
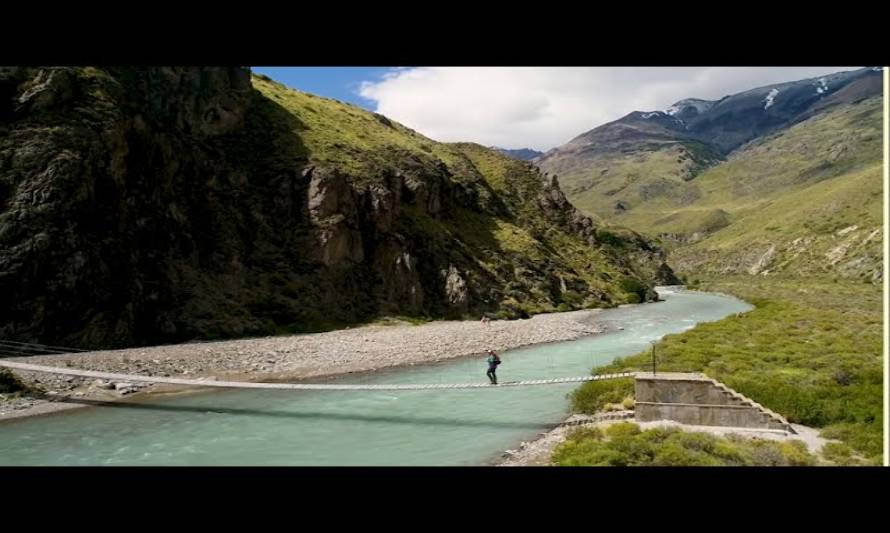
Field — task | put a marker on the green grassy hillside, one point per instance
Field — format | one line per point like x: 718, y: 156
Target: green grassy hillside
x: 510, y: 243
x: 612, y: 183
x: 806, y: 200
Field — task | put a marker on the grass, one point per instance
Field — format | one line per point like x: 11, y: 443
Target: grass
x: 794, y: 189
x: 810, y: 350
x: 687, y: 222
x: 804, y: 225
x: 624, y: 444
x: 660, y: 170
x: 827, y: 145
x: 347, y: 136
x: 512, y: 257
x: 497, y: 168
x: 593, y: 396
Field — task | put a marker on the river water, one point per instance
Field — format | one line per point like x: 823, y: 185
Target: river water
x: 427, y: 427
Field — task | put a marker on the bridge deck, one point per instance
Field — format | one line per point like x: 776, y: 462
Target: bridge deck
x: 295, y: 386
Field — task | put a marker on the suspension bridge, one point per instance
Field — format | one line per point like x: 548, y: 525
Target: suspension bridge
x: 9, y: 349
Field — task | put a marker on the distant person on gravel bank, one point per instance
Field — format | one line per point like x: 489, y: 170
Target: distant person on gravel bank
x: 493, y: 362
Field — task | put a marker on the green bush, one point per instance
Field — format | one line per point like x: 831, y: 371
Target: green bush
x: 810, y: 351
x: 673, y: 454
x: 797, y: 454
x: 10, y: 383
x: 573, y: 298
x: 839, y: 454
x: 636, y: 291
x: 503, y: 314
x: 589, y: 432
x: 607, y: 237
x: 623, y: 429
x: 623, y: 444
x: 631, y: 298
x: 856, y: 435
x: 594, y: 395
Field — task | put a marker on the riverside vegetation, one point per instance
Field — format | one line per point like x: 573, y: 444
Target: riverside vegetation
x: 810, y: 350
x: 624, y: 444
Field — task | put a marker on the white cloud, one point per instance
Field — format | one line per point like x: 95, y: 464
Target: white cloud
x: 544, y: 107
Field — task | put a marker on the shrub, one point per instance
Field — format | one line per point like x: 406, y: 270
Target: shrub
x: 589, y: 432
x: 809, y: 350
x: 701, y: 442
x: 625, y: 445
x: 674, y: 454
x: 623, y: 429
x: 838, y: 453
x: 573, y: 298
x: 10, y: 383
x: 628, y: 403
x: 503, y: 315
x: 796, y: 453
x: 609, y: 238
x: 636, y: 291
x: 633, y: 298
x: 594, y: 395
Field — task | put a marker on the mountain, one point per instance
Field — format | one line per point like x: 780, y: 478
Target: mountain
x: 523, y: 154
x: 154, y: 205
x: 805, y: 201
x: 644, y: 156
x: 784, y: 178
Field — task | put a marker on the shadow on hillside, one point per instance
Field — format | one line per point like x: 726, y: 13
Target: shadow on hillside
x: 270, y: 142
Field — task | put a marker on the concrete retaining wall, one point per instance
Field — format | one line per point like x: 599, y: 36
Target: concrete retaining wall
x: 696, y: 399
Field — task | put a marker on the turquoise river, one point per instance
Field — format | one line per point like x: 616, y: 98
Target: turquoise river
x: 432, y: 427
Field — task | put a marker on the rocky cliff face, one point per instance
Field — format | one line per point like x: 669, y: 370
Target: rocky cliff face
x: 143, y: 206
x: 628, y: 248
x: 109, y: 180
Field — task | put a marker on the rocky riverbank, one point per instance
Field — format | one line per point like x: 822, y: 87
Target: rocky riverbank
x: 538, y: 451
x: 289, y: 358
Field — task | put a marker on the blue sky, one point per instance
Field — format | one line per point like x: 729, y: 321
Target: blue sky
x: 341, y: 83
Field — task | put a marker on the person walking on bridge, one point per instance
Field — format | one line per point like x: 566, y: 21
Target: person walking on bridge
x: 493, y: 362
